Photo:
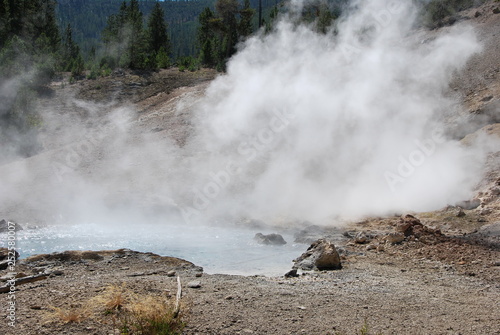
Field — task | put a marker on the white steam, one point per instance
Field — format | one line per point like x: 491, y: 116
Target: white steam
x: 303, y: 126
x: 314, y: 126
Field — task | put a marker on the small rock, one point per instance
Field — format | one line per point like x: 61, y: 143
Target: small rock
x: 291, y: 273
x: 194, y: 284
x: 171, y: 273
x: 199, y: 274
x: 370, y: 247
x: 395, y: 238
x: 485, y: 211
x: 137, y: 274
x: 57, y: 273
x: 460, y: 213
x: 229, y: 297
x: 361, y: 238
x: 380, y: 247
x: 270, y: 239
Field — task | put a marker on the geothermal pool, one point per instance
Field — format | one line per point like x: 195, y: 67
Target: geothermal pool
x: 216, y: 249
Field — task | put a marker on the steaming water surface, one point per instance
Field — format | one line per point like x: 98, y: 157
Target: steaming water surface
x: 216, y: 249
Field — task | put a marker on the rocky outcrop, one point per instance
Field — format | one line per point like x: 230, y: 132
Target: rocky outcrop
x: 270, y: 239
x: 411, y: 227
x: 4, y: 254
x: 6, y: 258
x: 321, y: 255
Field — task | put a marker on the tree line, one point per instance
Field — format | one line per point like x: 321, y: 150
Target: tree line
x: 31, y: 51
x: 130, y: 44
x: 37, y: 41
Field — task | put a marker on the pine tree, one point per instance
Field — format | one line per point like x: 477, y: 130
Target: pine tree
x: 136, y: 38
x: 47, y: 24
x: 325, y: 19
x: 157, y: 30
x: 70, y: 50
x: 245, y: 26
x: 29, y: 39
x: 125, y: 37
x: 5, y: 21
x: 227, y: 11
x: 207, y: 38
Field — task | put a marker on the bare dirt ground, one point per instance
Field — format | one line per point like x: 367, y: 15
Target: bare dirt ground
x: 443, y: 280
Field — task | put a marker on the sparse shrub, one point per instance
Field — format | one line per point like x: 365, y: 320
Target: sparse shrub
x: 106, y: 71
x: 436, y: 10
x: 193, y: 67
x: 94, y: 73
x: 190, y: 63
x: 137, y: 314
x: 131, y: 313
x: 364, y: 330
x: 162, y: 59
x: 77, y: 67
x: 70, y: 315
x: 108, y: 62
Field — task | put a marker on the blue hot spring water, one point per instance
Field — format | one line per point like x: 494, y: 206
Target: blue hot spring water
x: 216, y: 249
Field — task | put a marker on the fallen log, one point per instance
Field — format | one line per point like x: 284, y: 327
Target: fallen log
x: 20, y: 281
x: 177, y: 307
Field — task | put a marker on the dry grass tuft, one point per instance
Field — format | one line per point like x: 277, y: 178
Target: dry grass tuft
x: 113, y: 299
x: 121, y: 308
x: 137, y: 314
x: 67, y: 315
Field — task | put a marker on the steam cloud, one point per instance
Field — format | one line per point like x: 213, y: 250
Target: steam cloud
x: 338, y: 125
x: 303, y: 126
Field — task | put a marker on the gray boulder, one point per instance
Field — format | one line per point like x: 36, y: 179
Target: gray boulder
x: 321, y: 255
x: 270, y: 239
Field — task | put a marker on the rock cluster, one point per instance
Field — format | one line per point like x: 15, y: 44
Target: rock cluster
x: 410, y: 226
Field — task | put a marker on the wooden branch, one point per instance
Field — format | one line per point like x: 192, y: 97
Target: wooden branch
x: 177, y: 307
x: 23, y: 280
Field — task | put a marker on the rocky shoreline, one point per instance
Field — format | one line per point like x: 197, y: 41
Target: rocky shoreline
x: 408, y: 278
